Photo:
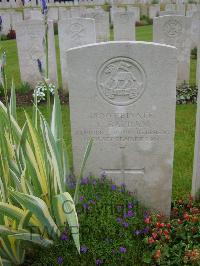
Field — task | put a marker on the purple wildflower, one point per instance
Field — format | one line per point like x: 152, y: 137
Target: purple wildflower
x: 145, y: 230
x: 85, y: 206
x: 125, y: 224
x: 81, y: 198
x: 99, y: 262
x: 130, y: 205
x: 84, y: 249
x: 64, y: 237
x: 119, y: 220
x: 60, y: 260
x: 94, y: 182
x: 44, y: 7
x: 130, y: 214
x: 137, y: 232
x: 85, y: 181
x: 122, y: 250
x: 113, y: 187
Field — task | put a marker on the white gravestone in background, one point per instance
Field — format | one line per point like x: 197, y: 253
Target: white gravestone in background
x: 170, y: 13
x: 114, y: 9
x: 195, y: 29
x: 175, y: 31
x: 16, y: 17
x: 29, y: 36
x: 6, y: 22
x: 53, y: 14
x: 196, y: 164
x: 102, y: 26
x: 136, y: 11
x: 124, y: 26
x: 123, y: 95
x: 63, y: 13
x: 154, y: 11
x: 72, y: 33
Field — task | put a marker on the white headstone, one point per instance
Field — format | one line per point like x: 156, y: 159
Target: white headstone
x: 170, y: 7
x: 127, y: 105
x: 72, y: 33
x: 196, y: 164
x: 176, y: 31
x: 154, y: 11
x: 53, y: 14
x: 36, y: 14
x: 136, y: 11
x: 195, y: 28
x: 64, y: 13
x: 30, y: 35
x: 102, y: 26
x: 170, y: 13
x: 6, y: 22
x: 124, y: 26
x: 16, y: 17
x: 114, y: 9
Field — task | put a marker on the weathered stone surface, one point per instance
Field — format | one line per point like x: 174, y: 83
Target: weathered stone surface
x: 195, y: 29
x: 196, y: 164
x: 175, y: 31
x: 124, y: 26
x: 72, y: 33
x: 53, y: 14
x: 114, y: 10
x: 63, y: 13
x: 136, y: 11
x: 102, y: 26
x: 123, y: 95
x: 170, y: 13
x: 30, y: 35
x: 6, y: 22
x: 154, y: 11
x: 16, y: 17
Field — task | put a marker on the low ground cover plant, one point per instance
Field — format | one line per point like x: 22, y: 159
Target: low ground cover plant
x: 116, y: 230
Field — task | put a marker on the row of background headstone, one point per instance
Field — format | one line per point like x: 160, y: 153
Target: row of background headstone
x: 36, y: 3
x: 171, y: 30
x: 10, y: 18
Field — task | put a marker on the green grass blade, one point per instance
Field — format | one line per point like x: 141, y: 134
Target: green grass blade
x: 86, y: 155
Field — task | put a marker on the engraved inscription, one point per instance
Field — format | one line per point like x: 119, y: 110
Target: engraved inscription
x: 121, y: 81
x: 172, y: 28
x: 124, y: 18
x: 77, y: 33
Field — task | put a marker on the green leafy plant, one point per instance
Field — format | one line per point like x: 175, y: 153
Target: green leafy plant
x: 176, y: 242
x: 186, y: 93
x: 34, y: 203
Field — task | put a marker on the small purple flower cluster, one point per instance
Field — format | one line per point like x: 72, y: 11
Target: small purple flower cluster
x: 127, y: 215
x: 71, y: 181
x: 84, y: 249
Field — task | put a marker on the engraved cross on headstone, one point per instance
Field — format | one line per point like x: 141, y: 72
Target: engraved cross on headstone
x: 122, y: 170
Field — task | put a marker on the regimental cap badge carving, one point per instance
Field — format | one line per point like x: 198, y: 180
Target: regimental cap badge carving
x: 121, y: 81
x: 173, y: 28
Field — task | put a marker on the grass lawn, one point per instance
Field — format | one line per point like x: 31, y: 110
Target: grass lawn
x: 143, y: 33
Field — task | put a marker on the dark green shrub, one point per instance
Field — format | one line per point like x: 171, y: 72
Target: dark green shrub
x: 186, y: 94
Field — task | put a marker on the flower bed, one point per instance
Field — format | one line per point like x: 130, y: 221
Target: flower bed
x: 116, y: 230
